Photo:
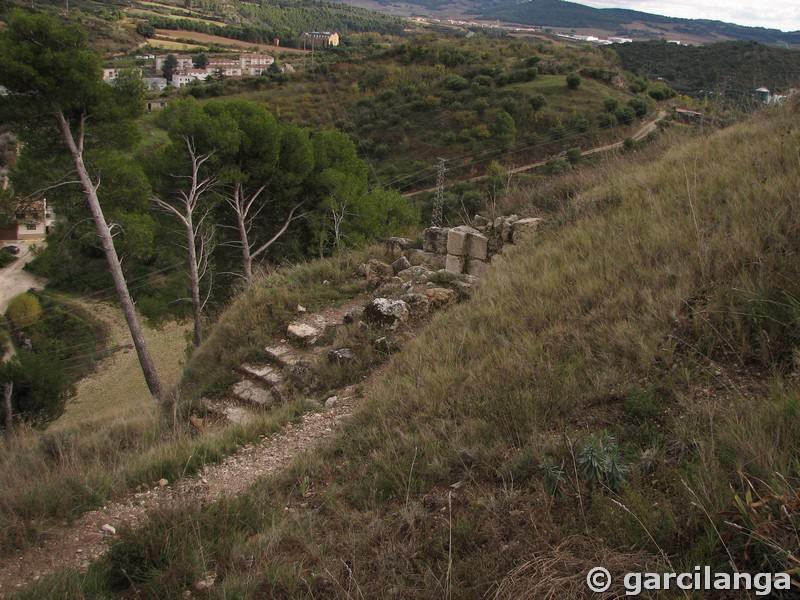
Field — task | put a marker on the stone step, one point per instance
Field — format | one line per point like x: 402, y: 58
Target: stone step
x: 283, y: 355
x: 251, y: 393
x: 269, y: 374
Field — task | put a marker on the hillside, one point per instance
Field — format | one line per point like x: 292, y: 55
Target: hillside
x: 622, y: 391
x: 734, y: 69
x: 630, y: 23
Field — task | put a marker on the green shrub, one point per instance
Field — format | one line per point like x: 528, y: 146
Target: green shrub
x: 573, y: 81
x: 24, y: 310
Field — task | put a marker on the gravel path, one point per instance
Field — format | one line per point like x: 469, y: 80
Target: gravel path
x: 74, y: 546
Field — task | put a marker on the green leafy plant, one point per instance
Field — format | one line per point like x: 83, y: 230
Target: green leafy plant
x: 601, y: 461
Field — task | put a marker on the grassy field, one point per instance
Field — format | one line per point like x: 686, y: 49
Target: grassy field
x: 621, y: 391
x: 98, y: 400
x: 171, y: 45
x: 208, y: 39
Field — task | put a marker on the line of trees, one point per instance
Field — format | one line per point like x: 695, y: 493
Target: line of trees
x: 233, y: 179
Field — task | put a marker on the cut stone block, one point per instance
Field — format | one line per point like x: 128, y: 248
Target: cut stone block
x: 454, y: 264
x: 247, y: 391
x: 266, y: 373
x: 237, y: 415
x: 458, y: 239
x: 476, y: 268
x: 478, y: 246
x: 434, y: 239
x: 283, y: 355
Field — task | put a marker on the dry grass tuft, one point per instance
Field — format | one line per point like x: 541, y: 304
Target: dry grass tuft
x: 560, y: 572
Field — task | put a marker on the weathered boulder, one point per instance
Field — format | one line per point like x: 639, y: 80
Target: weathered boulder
x: 430, y: 259
x: 303, y: 376
x: 397, y: 246
x: 386, y: 345
x: 440, y: 297
x: 418, y: 305
x: 390, y: 287
x: 481, y: 222
x: 434, y: 239
x: 353, y: 315
x: 506, y: 227
x: 386, y: 312
x: 377, y: 272
x: 524, y: 228
x: 303, y: 333
x: 341, y: 356
x: 417, y: 274
x: 401, y: 264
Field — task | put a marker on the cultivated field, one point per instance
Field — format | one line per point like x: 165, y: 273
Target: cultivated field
x: 205, y: 38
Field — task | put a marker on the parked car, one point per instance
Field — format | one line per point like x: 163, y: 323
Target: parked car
x: 11, y: 249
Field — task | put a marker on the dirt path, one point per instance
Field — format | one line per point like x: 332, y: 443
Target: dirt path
x: 74, y: 546
x: 15, y: 281
x: 642, y: 132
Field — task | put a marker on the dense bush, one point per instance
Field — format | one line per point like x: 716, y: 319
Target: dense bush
x: 24, y: 310
x: 40, y: 388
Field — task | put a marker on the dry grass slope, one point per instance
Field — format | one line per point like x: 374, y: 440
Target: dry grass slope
x: 655, y: 323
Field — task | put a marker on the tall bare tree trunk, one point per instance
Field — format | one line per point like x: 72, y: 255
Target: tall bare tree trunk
x: 242, y: 208
x: 128, y: 309
x: 194, y: 277
x: 199, y: 244
x: 8, y: 389
x: 241, y: 224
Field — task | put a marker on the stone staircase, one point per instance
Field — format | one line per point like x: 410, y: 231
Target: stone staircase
x: 289, y: 359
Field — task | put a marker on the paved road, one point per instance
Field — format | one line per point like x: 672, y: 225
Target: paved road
x: 15, y: 281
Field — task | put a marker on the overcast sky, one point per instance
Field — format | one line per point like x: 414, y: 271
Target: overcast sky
x: 775, y: 14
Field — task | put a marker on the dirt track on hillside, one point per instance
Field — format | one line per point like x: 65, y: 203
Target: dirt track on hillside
x: 74, y: 546
x: 14, y: 280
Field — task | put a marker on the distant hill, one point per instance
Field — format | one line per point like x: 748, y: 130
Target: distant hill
x: 735, y: 68
x: 570, y: 15
x: 558, y: 13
